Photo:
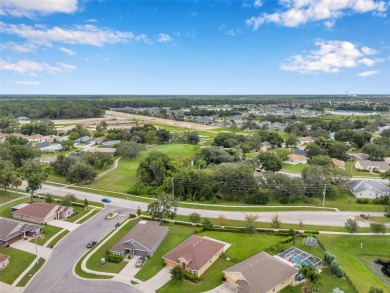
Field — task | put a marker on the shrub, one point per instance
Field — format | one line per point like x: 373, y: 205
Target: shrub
x: 284, y: 200
x: 363, y: 200
x: 339, y: 272
x: 334, y: 266
x: 287, y: 239
x: 114, y: 258
x: 177, y: 273
x: 191, y: 277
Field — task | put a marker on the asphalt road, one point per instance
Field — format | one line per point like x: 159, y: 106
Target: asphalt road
x: 56, y: 275
x: 320, y: 217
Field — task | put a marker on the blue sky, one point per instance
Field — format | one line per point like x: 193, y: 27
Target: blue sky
x: 194, y: 47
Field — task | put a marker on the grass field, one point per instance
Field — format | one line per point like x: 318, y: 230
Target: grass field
x: 58, y: 238
x: 7, y: 196
x: 48, y: 232
x: 80, y: 212
x: 95, y: 211
x: 353, y: 259
x: 5, y: 210
x: 213, y: 276
x: 19, y: 261
x: 23, y: 282
x: 94, y: 263
x: 125, y: 175
x: 350, y: 168
x: 177, y: 234
x: 294, y: 168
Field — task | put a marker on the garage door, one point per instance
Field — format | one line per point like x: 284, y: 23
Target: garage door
x: 13, y: 240
x: 140, y: 252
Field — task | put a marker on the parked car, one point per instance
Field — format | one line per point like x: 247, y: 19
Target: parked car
x: 107, y: 200
x: 140, y: 262
x: 91, y: 244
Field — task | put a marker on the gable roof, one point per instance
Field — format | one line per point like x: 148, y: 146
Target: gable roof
x: 362, y: 185
x: 338, y: 163
x: 36, y: 210
x: 375, y: 164
x: 196, y: 251
x: 300, y: 152
x: 261, y: 273
x: 294, y: 157
x: 10, y: 228
x: 145, y: 233
x: 307, y: 139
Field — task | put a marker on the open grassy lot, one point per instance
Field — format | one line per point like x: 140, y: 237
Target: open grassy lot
x: 23, y: 282
x: 294, y: 168
x: 94, y: 263
x: 48, y: 232
x: 7, y: 196
x: 124, y: 176
x: 253, y: 244
x: 19, y: 261
x: 177, y: 234
x: 353, y: 259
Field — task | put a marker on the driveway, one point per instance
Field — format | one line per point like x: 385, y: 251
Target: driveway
x: 128, y: 272
x: 57, y: 273
x: 64, y: 224
x: 30, y: 247
x: 224, y: 288
x: 159, y: 280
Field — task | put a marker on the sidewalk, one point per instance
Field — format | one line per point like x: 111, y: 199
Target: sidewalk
x: 159, y: 280
x: 31, y: 248
x: 128, y: 272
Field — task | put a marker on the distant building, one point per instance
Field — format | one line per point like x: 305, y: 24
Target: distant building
x: 368, y: 189
x: 294, y: 159
x: 306, y: 139
x: 338, y: 163
x: 23, y: 119
x: 110, y: 143
x: 84, y: 139
x: 359, y: 156
x: 52, y: 148
x: 372, y: 165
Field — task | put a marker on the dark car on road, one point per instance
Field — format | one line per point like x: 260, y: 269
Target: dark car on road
x: 107, y: 200
x: 140, y: 262
x: 91, y: 244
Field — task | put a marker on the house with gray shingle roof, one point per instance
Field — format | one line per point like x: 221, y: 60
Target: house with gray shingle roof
x: 12, y: 230
x: 261, y: 273
x: 368, y: 189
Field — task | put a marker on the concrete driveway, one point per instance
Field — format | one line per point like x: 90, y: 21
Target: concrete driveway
x: 128, y: 272
x: 57, y: 273
x: 30, y: 247
x: 159, y: 280
x: 224, y: 288
x: 64, y: 224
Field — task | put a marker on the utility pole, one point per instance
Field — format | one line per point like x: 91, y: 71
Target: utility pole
x: 36, y: 247
x: 324, y: 193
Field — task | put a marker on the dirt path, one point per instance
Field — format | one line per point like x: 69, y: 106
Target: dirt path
x: 113, y: 168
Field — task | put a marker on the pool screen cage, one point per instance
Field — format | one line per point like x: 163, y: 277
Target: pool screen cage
x: 300, y: 257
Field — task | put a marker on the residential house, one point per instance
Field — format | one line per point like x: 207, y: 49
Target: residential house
x: 63, y: 138
x: 265, y: 145
x: 294, y: 159
x: 142, y: 240
x: 338, y: 163
x: 306, y: 139
x: 4, y: 261
x: 52, y: 148
x: 84, y: 139
x: 300, y: 152
x: 48, y: 160
x: 110, y: 143
x: 371, y: 166
x: 23, y: 119
x: 99, y: 139
x: 368, y: 189
x: 195, y: 254
x: 41, y: 145
x: 261, y: 273
x: 42, y: 213
x: 110, y: 151
x: 359, y: 156
x: 36, y: 138
x: 12, y: 230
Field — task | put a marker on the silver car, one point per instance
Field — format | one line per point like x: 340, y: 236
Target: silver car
x: 140, y: 262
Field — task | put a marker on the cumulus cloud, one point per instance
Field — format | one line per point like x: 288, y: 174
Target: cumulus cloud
x: 258, y: 3
x: 331, y: 56
x: 32, y: 67
x: 367, y: 73
x: 164, y: 38
x: 80, y: 34
x: 30, y: 8
x: 20, y: 48
x: 28, y: 83
x: 298, y: 12
x: 67, y: 51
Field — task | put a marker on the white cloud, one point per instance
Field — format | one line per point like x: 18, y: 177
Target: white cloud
x: 233, y: 33
x: 299, y: 12
x: 369, y: 51
x: 32, y: 67
x: 331, y: 57
x: 30, y: 8
x: 67, y: 51
x: 258, y: 3
x: 329, y: 23
x: 164, y: 38
x: 20, y: 48
x: 367, y: 73
x: 29, y: 83
x: 92, y: 20
x: 144, y: 38
x: 79, y: 34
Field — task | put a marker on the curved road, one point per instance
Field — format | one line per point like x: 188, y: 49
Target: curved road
x: 57, y: 273
x: 320, y: 217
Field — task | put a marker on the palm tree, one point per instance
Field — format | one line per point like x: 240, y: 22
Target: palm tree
x: 312, y: 277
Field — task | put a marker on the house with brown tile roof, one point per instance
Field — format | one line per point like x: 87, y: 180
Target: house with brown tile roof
x: 338, y: 163
x: 4, y: 261
x: 142, y: 240
x: 12, y: 230
x: 295, y: 159
x: 261, y: 273
x: 42, y: 213
x: 195, y: 254
x: 306, y: 139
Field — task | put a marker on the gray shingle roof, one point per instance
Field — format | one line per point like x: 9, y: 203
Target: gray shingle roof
x: 362, y: 185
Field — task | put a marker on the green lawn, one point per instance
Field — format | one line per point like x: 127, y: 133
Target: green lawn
x: 23, y: 282
x: 294, y: 168
x: 213, y: 276
x: 173, y: 128
x: 177, y: 235
x: 95, y: 211
x: 80, y: 212
x: 48, y: 232
x: 353, y: 259
x: 7, y: 196
x: 58, y: 238
x: 5, y: 210
x: 19, y: 261
x: 94, y: 263
x: 350, y: 168
x: 124, y: 176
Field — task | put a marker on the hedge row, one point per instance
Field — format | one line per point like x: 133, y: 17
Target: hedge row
x: 114, y: 258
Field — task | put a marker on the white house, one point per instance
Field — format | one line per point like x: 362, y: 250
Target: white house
x: 368, y: 189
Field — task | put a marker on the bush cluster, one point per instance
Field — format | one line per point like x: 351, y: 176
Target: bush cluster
x: 114, y: 258
x: 335, y: 268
